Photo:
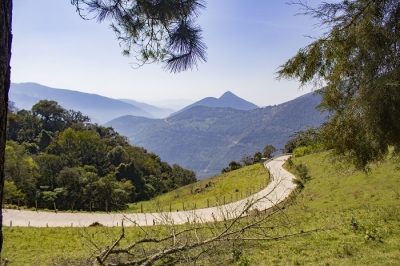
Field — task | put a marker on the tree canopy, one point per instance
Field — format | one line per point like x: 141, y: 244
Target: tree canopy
x: 153, y: 31
x: 356, y: 66
x: 55, y: 156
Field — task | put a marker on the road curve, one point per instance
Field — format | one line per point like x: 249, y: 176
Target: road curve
x: 276, y: 191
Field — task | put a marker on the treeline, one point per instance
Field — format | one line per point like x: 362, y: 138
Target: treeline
x: 56, y: 156
x: 250, y: 160
x: 302, y: 142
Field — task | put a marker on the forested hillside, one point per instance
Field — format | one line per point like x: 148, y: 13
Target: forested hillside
x: 206, y: 139
x: 55, y: 156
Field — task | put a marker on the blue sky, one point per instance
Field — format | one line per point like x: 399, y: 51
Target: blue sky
x: 247, y: 42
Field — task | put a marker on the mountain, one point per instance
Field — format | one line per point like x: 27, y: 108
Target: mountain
x: 228, y: 99
x: 155, y: 111
x: 205, y: 139
x: 101, y: 109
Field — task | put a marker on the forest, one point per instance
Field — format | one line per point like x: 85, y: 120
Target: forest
x: 56, y: 158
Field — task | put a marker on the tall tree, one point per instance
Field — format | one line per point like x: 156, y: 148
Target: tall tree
x: 5, y: 70
x: 356, y: 64
x: 158, y: 30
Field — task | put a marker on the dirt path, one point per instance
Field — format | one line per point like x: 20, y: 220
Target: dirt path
x: 277, y: 190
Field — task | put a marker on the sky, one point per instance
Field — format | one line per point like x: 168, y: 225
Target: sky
x: 247, y: 42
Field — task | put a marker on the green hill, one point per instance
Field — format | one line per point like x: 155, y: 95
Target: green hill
x: 206, y: 139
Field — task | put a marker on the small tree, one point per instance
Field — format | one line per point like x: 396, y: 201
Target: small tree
x: 257, y: 157
x: 247, y: 160
x: 268, y: 151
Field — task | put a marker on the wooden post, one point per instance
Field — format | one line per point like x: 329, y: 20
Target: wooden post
x: 208, y: 203
x: 141, y: 207
x: 106, y: 207
x: 224, y: 199
x: 18, y: 204
x: 90, y: 206
x: 170, y: 207
x: 55, y: 207
x: 195, y: 206
x: 231, y: 197
x: 183, y: 205
x: 36, y: 205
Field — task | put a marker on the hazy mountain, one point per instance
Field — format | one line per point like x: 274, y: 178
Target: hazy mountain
x: 99, y: 108
x: 228, y: 99
x: 154, y: 110
x: 205, y: 139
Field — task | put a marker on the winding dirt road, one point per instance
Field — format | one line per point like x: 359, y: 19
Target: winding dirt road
x: 276, y: 191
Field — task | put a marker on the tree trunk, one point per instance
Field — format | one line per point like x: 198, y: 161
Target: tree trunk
x: 5, y: 69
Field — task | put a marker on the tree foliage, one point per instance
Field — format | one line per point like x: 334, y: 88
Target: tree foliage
x: 58, y: 157
x: 153, y: 31
x: 268, y: 151
x: 356, y: 63
x: 306, y: 137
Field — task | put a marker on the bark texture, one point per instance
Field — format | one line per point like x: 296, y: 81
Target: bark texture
x: 5, y: 71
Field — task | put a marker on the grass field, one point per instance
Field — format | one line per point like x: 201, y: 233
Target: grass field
x: 358, y: 217
x: 225, y: 188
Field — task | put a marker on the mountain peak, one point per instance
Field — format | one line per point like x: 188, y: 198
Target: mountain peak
x: 228, y: 99
x: 227, y: 94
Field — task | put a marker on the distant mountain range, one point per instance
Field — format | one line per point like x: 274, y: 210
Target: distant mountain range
x: 205, y: 139
x: 103, y: 109
x: 228, y: 99
x: 99, y: 108
x: 204, y: 136
x: 155, y: 111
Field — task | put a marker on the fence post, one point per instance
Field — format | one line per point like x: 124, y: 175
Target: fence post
x: 55, y: 206
x: 36, y: 205
x: 106, y: 206
x: 141, y: 207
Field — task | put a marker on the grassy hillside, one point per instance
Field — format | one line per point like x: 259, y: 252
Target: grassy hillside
x: 358, y: 216
x: 225, y: 188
